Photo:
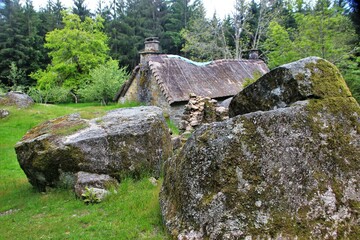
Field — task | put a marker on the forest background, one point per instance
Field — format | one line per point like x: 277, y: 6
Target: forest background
x: 58, y: 55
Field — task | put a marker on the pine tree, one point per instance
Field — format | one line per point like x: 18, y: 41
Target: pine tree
x: 81, y: 9
x: 177, y: 18
x: 19, y: 40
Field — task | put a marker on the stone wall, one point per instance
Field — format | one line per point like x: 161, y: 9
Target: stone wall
x: 200, y: 110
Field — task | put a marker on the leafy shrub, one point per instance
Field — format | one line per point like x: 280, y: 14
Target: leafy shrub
x: 50, y: 95
x: 105, y: 80
x: 90, y: 196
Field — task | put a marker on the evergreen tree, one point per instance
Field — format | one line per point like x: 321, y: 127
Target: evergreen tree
x: 19, y: 40
x: 133, y: 21
x: 279, y: 46
x: 178, y: 18
x: 51, y: 17
x: 81, y: 9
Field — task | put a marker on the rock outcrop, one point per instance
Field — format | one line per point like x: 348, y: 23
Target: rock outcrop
x: 18, y: 99
x: 288, y: 173
x: 308, y: 78
x: 124, y: 142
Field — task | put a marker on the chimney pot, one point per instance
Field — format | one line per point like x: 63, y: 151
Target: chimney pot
x: 152, y: 44
x: 152, y: 47
x: 254, y: 54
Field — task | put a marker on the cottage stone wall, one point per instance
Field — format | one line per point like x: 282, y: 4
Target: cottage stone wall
x: 145, y: 89
x: 131, y: 94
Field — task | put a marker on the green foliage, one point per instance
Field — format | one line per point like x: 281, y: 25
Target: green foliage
x: 53, y: 94
x: 248, y: 81
x: 204, y: 40
x: 80, y: 9
x: 281, y: 48
x: 351, y: 70
x: 74, y: 51
x: 16, y: 77
x: 19, y: 41
x: 327, y: 34
x: 104, y: 82
x: 90, y: 197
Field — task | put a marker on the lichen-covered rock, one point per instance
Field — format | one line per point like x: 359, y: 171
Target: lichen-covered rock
x: 288, y: 173
x: 4, y: 113
x: 18, y: 99
x: 124, y: 142
x: 310, y: 77
x: 85, y: 180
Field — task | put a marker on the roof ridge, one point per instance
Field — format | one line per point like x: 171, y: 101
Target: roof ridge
x: 160, y: 82
x: 235, y: 60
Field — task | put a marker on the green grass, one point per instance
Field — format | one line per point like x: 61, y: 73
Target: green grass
x: 174, y: 129
x: 132, y: 213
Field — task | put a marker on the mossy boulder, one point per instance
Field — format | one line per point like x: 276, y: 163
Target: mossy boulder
x: 288, y: 173
x: 310, y: 77
x: 18, y: 99
x: 122, y: 143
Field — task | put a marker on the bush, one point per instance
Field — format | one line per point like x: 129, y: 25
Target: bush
x: 105, y: 80
x: 50, y: 95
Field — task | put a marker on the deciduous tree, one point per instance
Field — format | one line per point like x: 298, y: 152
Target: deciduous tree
x: 74, y: 51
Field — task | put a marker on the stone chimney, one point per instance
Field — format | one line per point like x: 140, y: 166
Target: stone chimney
x: 254, y: 54
x: 152, y: 47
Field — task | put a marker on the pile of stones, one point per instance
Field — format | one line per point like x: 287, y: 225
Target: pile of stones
x: 200, y: 110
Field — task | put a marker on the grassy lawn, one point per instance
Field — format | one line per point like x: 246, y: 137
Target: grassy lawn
x: 132, y: 213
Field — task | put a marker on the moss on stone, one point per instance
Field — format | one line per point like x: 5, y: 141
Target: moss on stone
x: 61, y: 126
x: 327, y: 80
x: 64, y: 131
x: 339, y: 150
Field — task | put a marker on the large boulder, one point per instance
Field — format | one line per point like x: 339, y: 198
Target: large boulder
x: 307, y: 78
x: 18, y: 99
x: 124, y: 142
x: 288, y: 173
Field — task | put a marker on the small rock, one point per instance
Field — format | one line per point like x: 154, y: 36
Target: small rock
x: 153, y: 181
x: 91, y: 180
x: 4, y: 113
x: 176, y: 142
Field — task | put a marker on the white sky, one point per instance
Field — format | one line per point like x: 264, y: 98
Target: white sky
x: 222, y: 7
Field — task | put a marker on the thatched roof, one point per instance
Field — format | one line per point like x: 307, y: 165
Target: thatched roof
x: 178, y: 77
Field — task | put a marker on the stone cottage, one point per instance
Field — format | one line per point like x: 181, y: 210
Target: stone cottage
x: 168, y: 80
